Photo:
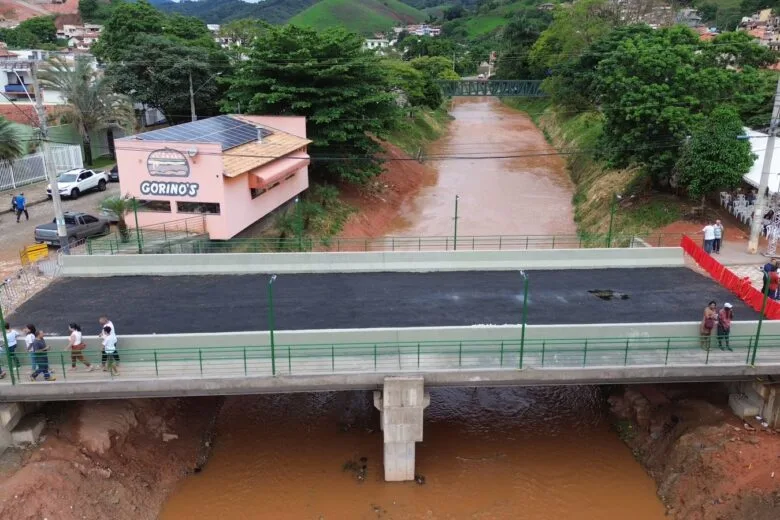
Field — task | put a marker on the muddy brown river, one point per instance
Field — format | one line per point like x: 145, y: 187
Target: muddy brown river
x: 488, y: 453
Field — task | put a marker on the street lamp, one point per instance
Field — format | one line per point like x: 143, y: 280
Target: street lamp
x: 761, y: 318
x: 613, y: 208
x: 271, y: 322
x: 5, y: 345
x: 298, y: 224
x: 455, y: 233
x: 525, y: 316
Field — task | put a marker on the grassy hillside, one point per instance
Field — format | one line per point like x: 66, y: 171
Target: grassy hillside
x: 483, y: 23
x: 363, y: 16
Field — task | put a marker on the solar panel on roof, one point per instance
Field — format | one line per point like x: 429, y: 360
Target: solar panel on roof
x: 225, y: 130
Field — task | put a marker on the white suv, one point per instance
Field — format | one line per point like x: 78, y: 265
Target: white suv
x: 73, y: 183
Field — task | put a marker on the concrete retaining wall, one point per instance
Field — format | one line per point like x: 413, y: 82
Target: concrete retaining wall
x: 415, y: 334
x: 241, y: 263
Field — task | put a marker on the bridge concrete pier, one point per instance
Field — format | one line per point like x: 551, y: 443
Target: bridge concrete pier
x: 401, y: 403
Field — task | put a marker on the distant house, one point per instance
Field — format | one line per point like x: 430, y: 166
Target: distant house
x: 376, y: 44
x: 689, y: 17
x: 423, y: 30
x: 80, y: 37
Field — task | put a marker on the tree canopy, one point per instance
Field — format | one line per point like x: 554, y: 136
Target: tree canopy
x: 10, y: 143
x: 327, y: 77
x: 37, y: 32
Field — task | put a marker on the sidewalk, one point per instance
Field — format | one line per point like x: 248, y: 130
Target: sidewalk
x: 34, y: 193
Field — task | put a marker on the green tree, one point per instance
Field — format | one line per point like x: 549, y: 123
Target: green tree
x: 435, y: 67
x: 42, y: 27
x: 243, y: 32
x: 120, y: 207
x: 189, y: 29
x: 516, y: 43
x: 714, y: 158
x: 417, y: 88
x: 162, y: 78
x: 10, y: 143
x: 89, y: 9
x: 327, y: 77
x: 129, y: 22
x: 91, y: 101
x: 573, y: 30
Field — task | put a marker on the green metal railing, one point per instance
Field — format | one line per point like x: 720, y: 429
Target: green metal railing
x: 159, y: 238
x: 384, y: 357
x: 158, y: 243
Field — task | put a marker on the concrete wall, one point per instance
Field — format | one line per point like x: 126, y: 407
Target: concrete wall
x: 414, y: 334
x: 239, y: 263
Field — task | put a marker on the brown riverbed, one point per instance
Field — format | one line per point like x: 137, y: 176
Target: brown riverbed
x: 501, y: 453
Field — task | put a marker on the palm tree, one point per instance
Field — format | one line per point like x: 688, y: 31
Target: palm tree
x: 92, y: 104
x: 120, y: 206
x: 10, y: 144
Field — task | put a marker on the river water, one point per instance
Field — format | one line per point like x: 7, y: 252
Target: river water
x: 488, y: 453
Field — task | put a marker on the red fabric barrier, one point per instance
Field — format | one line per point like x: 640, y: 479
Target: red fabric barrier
x: 739, y: 286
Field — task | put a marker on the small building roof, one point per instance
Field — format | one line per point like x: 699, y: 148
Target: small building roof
x: 252, y: 155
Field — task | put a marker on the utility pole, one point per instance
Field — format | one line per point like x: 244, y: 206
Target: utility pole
x: 760, y: 209
x: 48, y: 164
x: 192, y: 101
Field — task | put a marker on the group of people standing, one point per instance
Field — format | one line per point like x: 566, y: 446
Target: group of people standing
x: 716, y: 319
x: 713, y: 237
x: 37, y: 349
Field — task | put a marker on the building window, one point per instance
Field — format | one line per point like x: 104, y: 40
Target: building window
x: 158, y: 206
x: 210, y: 208
x: 256, y: 192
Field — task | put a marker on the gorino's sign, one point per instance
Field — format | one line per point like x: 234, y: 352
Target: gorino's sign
x: 169, y: 163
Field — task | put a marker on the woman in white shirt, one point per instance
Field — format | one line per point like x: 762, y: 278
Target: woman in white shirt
x: 109, y: 349
x: 12, y: 335
x: 30, y: 332
x: 76, y: 346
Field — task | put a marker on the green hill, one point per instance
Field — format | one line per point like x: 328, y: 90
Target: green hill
x: 363, y: 16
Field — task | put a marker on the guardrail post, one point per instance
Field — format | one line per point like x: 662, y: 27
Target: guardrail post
x: 544, y: 342
x: 525, y: 317
x: 585, y: 354
x: 500, y: 238
x: 501, y: 359
x: 374, y: 357
x: 200, y: 361
x: 289, y: 360
x: 553, y: 242
x: 137, y: 229
x: 526, y: 242
x: 455, y: 234
x: 392, y: 242
x: 460, y: 354
x: 707, y: 359
x: 668, y: 345
x: 760, y: 319
x: 749, y: 350
x: 418, y: 355
x: 62, y: 364
x: 625, y: 358
x: 271, y: 322
x: 332, y: 358
x: 156, y: 367
x: 89, y: 246
x: 245, y: 371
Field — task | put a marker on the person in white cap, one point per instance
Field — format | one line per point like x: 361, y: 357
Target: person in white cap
x: 725, y: 316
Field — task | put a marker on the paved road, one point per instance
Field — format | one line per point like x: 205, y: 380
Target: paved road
x: 17, y: 236
x: 181, y: 304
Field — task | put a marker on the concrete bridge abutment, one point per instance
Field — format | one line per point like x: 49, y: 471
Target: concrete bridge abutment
x: 401, y: 403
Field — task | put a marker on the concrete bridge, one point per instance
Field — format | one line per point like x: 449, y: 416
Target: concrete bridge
x: 395, y: 323
x: 482, y: 87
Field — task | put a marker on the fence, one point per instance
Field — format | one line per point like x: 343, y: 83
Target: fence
x: 165, y: 244
x: 498, y: 354
x: 167, y: 237
x: 31, y: 168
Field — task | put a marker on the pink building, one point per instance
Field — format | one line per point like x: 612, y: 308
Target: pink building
x: 234, y: 169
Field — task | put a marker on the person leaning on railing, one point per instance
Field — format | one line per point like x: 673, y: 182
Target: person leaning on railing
x: 708, y: 323
x: 725, y: 316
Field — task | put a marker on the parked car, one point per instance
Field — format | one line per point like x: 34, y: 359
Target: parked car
x: 113, y: 174
x: 73, y: 183
x: 79, y: 226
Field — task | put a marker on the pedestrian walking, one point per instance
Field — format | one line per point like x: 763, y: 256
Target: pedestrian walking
x: 40, y: 349
x: 21, y: 207
x: 76, y: 346
x: 12, y: 336
x: 30, y: 333
x: 725, y: 316
x: 708, y: 323
x: 718, y: 231
x: 109, y: 349
x: 709, y: 237
x: 105, y: 322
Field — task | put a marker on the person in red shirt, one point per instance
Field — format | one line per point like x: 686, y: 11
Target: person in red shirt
x: 774, y: 281
x: 724, y: 326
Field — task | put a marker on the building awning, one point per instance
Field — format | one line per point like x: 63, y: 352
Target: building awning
x: 281, y: 168
x: 758, y: 144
